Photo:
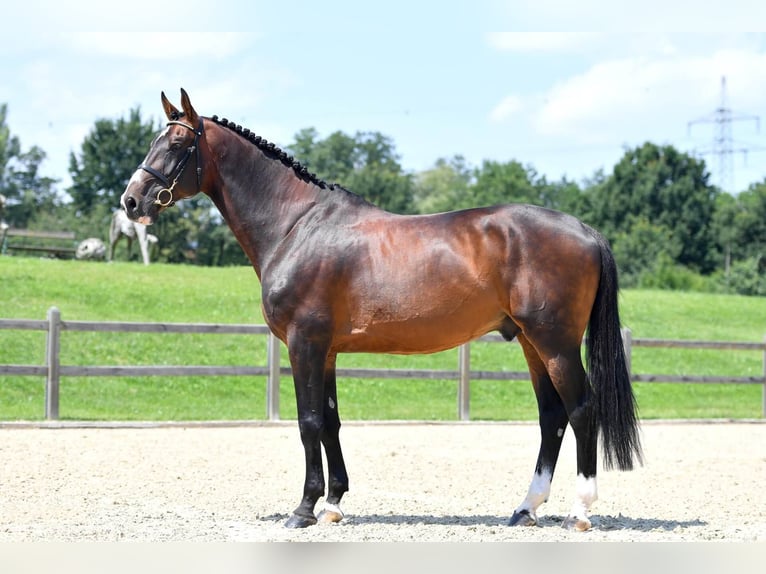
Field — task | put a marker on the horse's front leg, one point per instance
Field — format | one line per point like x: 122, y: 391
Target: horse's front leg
x: 336, y: 467
x: 307, y: 358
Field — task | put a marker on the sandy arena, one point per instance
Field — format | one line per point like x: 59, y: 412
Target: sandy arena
x: 409, y: 482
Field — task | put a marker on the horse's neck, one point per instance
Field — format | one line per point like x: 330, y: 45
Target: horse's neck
x: 262, y: 203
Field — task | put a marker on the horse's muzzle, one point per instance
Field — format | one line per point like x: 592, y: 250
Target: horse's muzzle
x: 129, y: 203
x: 135, y: 209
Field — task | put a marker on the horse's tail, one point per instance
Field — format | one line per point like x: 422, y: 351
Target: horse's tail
x: 614, y: 406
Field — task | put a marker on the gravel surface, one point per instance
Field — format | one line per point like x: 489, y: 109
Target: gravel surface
x: 409, y: 482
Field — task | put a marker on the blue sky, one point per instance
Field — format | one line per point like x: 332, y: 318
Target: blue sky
x: 424, y: 73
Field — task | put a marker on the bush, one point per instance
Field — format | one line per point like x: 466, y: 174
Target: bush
x: 664, y: 273
x: 747, y: 277
x: 638, y: 251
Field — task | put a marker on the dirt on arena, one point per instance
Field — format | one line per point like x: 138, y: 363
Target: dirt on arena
x: 409, y: 482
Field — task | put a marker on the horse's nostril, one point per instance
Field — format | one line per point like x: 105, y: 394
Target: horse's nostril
x: 130, y: 203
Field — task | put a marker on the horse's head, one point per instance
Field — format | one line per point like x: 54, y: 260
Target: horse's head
x: 165, y: 175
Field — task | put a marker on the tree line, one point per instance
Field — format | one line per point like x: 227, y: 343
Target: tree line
x: 669, y: 226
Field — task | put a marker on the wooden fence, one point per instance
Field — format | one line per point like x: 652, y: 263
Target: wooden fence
x: 53, y: 370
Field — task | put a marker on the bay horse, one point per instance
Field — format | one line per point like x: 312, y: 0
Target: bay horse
x: 340, y: 275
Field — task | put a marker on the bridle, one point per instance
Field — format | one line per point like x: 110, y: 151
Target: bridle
x: 168, y: 189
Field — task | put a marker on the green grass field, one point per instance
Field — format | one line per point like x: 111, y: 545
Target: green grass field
x: 175, y: 293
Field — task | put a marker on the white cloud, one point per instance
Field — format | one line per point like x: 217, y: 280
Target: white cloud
x: 508, y: 107
x: 626, y: 96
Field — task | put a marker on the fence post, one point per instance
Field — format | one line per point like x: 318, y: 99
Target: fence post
x: 627, y: 343
x: 272, y: 385
x: 53, y: 363
x: 464, y: 382
x: 763, y: 393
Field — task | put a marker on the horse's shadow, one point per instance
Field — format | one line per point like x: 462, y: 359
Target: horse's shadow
x: 599, y: 522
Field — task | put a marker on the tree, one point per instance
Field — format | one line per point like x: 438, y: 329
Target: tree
x: 366, y: 164
x: 667, y: 189
x: 108, y: 157
x: 332, y: 159
x: 444, y: 187
x: 498, y: 182
x: 9, y: 147
x: 639, y: 250
x: 512, y: 182
x: 27, y: 193
x: 563, y: 195
x: 211, y: 239
x: 749, y: 223
x: 724, y: 227
x: 740, y: 228
x: 747, y: 277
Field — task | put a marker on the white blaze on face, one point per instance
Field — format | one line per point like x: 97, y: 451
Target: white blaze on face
x: 136, y: 176
x: 139, y: 173
x: 134, y: 180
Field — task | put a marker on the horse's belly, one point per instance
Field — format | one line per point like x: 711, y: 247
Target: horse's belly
x: 419, y: 333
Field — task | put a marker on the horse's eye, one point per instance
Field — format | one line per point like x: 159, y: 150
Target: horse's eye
x: 175, y: 146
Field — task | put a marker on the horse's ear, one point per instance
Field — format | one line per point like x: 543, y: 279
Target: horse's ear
x: 189, y: 113
x: 170, y: 110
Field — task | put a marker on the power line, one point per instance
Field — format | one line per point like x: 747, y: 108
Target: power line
x: 724, y: 147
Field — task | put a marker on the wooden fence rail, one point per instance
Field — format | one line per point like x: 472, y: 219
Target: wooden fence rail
x: 54, y: 243
x: 53, y: 370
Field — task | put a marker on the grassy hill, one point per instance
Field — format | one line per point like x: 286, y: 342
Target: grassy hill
x: 175, y: 293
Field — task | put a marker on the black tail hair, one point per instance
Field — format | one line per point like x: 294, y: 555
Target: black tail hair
x: 615, y: 405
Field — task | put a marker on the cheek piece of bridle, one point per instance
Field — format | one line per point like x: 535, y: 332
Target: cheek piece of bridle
x: 165, y: 195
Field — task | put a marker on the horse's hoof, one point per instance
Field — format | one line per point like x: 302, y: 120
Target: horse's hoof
x: 297, y: 521
x: 331, y: 513
x: 523, y: 518
x: 575, y: 523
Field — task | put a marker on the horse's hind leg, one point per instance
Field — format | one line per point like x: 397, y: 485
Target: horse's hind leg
x: 336, y: 467
x: 577, y: 396
x: 553, y: 421
x: 563, y: 363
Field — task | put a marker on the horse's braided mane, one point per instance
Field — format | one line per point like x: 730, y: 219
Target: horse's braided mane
x: 270, y: 149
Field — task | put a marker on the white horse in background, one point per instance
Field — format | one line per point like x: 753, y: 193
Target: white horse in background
x: 122, y: 226
x: 3, y: 224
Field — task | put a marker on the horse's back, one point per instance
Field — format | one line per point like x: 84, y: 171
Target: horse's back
x: 425, y: 283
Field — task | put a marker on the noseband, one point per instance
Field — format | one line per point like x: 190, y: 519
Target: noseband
x: 168, y: 189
